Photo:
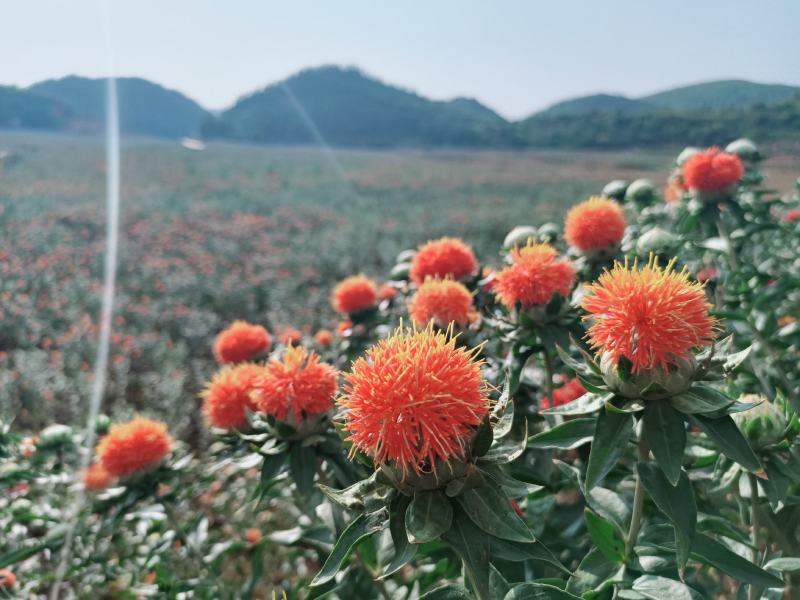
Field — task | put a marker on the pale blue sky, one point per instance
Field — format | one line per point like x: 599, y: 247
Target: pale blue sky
x: 516, y: 56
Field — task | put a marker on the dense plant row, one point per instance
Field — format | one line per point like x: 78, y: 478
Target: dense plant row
x: 612, y: 414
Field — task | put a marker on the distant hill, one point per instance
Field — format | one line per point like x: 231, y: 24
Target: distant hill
x: 345, y: 107
x: 19, y: 109
x: 733, y: 93
x: 146, y: 108
x: 662, y: 127
x: 596, y: 103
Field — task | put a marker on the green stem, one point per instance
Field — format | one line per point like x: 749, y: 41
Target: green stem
x: 755, y: 535
x: 638, y: 502
x: 548, y: 369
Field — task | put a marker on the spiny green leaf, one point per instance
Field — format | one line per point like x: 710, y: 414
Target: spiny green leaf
x: 665, y: 431
x: 611, y: 437
x: 428, y: 516
x: 565, y: 436
x: 491, y: 510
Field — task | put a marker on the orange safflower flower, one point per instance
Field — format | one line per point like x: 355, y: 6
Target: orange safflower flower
x: 290, y: 335
x: 96, y: 478
x: 443, y: 300
x: 298, y: 386
x: 253, y: 535
x: 387, y: 292
x: 354, y: 294
x: 240, y: 342
x: 712, y: 170
x: 595, y: 224
x: 415, y: 398
x: 568, y: 392
x: 445, y: 257
x: 534, y: 277
x: 133, y: 446
x: 324, y: 337
x: 652, y: 316
x: 7, y: 578
x: 227, y: 396
x: 343, y: 327
x: 792, y: 215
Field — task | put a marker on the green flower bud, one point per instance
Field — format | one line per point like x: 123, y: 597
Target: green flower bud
x: 548, y: 232
x: 519, y: 236
x: 615, y: 189
x: 655, y: 384
x: 762, y: 425
x: 55, y: 435
x: 685, y: 155
x: 406, y: 256
x: 102, y: 423
x: 657, y: 241
x: 744, y: 149
x: 641, y: 191
x: 400, y: 271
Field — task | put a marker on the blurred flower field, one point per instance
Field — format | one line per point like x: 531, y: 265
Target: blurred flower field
x: 491, y: 376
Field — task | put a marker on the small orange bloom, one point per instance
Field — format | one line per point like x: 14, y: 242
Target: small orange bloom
x: 595, y: 224
x: 354, y: 294
x: 298, y: 386
x: 415, y: 398
x: 7, y: 578
x: 387, y: 292
x: 241, y: 342
x: 343, y: 327
x: 96, y: 478
x: 290, y: 335
x: 227, y: 397
x: 792, y: 215
x: 445, y: 301
x: 133, y: 446
x: 253, y: 535
x: 712, y: 170
x: 651, y: 316
x: 445, y: 257
x: 534, y: 277
x: 324, y: 337
x: 568, y: 392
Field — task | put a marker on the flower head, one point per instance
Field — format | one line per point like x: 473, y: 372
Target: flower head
x: 534, y: 277
x: 354, y: 294
x: 387, y: 292
x: 290, y: 335
x: 596, y: 224
x: 792, y: 215
x: 652, y: 316
x: 7, y: 578
x: 133, y: 446
x: 445, y: 257
x: 297, y: 386
x: 96, y: 478
x: 568, y: 392
x: 227, y: 396
x: 415, y: 398
x: 712, y: 170
x: 443, y: 300
x: 240, y: 342
x: 324, y: 337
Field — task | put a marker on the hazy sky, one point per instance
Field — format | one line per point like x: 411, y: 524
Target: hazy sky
x: 515, y: 56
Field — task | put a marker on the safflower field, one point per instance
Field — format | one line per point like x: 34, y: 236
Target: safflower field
x: 487, y: 376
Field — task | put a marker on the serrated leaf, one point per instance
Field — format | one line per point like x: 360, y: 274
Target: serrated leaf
x: 729, y: 439
x: 665, y: 431
x: 594, y: 573
x: 538, y: 591
x: 611, y: 437
x: 700, y: 399
x: 565, y: 436
x: 471, y: 544
x: 588, y: 403
x: 428, y: 516
x: 732, y: 361
x: 712, y: 552
x: 605, y: 536
x: 676, y: 502
x: 403, y: 550
x: 519, y: 551
x: 654, y: 587
x: 303, y: 465
x: 509, y: 448
x: 451, y: 591
x: 490, y: 509
x: 357, y: 531
x: 784, y: 563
